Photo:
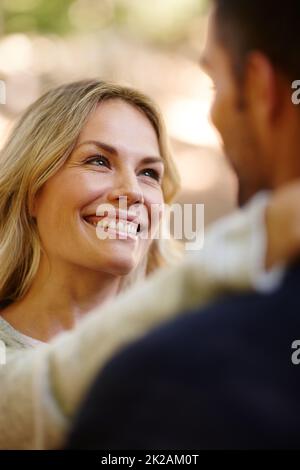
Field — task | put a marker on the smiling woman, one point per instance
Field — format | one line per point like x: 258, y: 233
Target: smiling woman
x: 79, y: 146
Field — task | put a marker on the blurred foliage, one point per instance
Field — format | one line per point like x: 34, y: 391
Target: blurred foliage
x: 42, y: 16
x: 157, y: 20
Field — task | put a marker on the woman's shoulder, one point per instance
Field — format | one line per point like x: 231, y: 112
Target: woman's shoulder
x: 13, y: 338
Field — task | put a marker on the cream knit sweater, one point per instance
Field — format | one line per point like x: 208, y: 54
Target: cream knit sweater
x: 42, y: 385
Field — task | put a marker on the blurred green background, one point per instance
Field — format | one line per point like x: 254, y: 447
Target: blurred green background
x: 162, y: 21
x: 153, y: 45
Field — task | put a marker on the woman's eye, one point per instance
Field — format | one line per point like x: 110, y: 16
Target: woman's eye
x: 151, y: 173
x: 99, y: 160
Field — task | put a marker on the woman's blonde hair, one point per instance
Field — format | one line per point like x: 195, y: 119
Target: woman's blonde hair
x: 39, y: 145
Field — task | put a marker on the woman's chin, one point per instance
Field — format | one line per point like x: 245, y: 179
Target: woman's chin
x: 121, y: 266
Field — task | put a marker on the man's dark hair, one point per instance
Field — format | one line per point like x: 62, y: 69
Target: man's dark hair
x: 269, y: 26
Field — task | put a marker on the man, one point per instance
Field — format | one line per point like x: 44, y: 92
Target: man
x: 225, y: 376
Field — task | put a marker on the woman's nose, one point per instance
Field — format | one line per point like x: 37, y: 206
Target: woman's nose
x: 128, y: 191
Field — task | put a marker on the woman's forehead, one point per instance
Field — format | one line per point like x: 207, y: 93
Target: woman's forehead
x: 121, y: 126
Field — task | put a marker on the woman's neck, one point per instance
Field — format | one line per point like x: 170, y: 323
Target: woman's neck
x: 58, y: 298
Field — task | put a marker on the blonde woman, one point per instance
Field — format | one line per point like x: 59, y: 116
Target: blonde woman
x: 79, y: 146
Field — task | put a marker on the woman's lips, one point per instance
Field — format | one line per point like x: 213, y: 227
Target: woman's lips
x: 93, y: 219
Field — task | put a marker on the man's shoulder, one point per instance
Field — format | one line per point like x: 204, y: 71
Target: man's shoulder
x: 237, y: 309
x: 231, y: 325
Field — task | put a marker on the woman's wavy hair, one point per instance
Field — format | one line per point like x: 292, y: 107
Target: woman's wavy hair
x: 39, y: 145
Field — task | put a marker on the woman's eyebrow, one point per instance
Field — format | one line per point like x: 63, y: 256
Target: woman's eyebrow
x: 99, y: 144
x: 149, y: 160
x: 112, y: 150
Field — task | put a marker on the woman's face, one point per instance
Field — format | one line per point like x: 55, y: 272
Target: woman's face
x: 116, y: 157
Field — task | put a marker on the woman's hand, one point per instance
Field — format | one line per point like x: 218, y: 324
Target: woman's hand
x: 283, y: 225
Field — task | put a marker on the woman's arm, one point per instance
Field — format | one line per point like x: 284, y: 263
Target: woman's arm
x: 282, y: 218
x: 41, y: 389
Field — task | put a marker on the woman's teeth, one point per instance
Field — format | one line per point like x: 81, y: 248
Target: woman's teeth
x: 121, y: 226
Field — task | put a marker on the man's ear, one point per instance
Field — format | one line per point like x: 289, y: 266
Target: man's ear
x: 264, y: 96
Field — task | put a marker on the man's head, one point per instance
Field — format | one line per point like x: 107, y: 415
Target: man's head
x: 252, y: 57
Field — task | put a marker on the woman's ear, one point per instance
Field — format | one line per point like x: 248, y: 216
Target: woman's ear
x: 33, y: 205
x: 32, y: 212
